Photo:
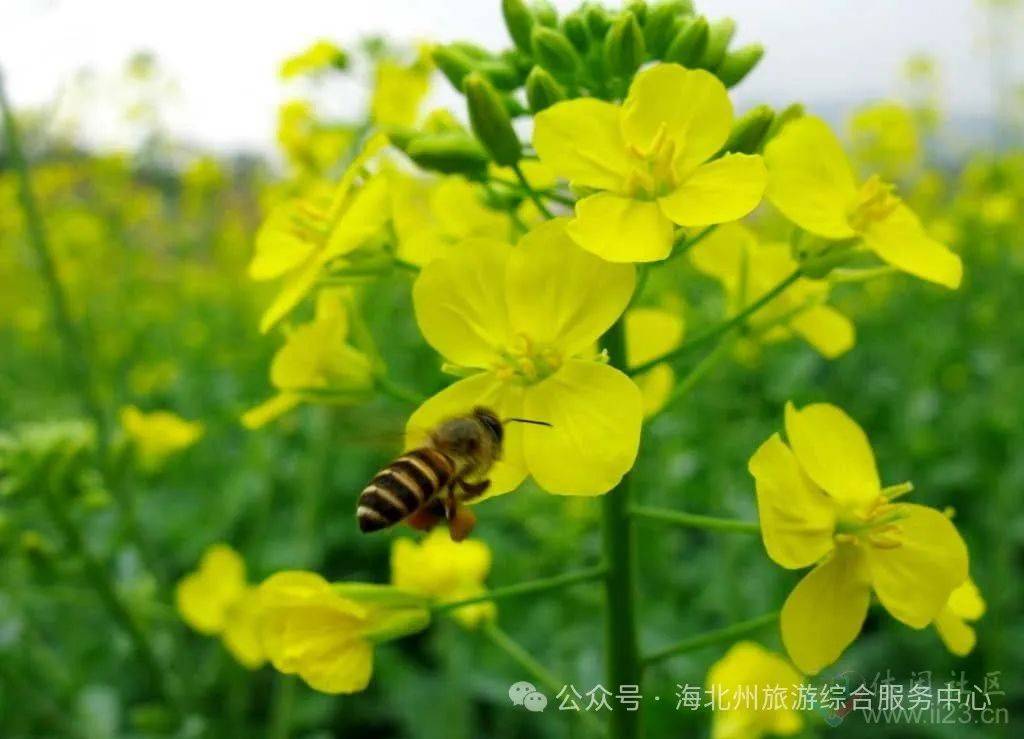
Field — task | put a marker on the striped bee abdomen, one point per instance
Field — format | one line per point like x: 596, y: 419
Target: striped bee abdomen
x: 403, y: 487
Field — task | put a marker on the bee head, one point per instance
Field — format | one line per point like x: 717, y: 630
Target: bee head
x: 490, y: 421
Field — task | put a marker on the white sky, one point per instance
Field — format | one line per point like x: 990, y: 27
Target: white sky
x: 224, y: 54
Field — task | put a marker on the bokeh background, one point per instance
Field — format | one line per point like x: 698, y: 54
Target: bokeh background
x: 154, y: 134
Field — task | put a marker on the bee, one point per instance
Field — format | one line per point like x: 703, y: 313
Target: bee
x: 430, y: 483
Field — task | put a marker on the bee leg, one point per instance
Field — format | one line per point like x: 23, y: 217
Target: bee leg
x: 427, y: 516
x: 473, y: 490
x: 461, y: 520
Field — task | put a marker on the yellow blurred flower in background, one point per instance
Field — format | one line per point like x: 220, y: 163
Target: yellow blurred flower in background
x: 883, y: 138
x: 320, y: 56
x: 216, y: 600
x: 748, y: 270
x: 651, y: 161
x: 158, y: 435
x: 746, y: 667
x: 964, y: 604
x: 445, y: 571
x: 811, y: 182
x: 821, y: 503
x: 526, y: 339
x: 399, y: 90
x: 650, y: 333
x: 326, y: 633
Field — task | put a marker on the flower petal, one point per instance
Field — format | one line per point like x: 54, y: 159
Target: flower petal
x: 242, y: 631
x: 717, y: 192
x: 650, y: 332
x: 295, y: 287
x: 809, y: 178
x: 797, y: 517
x: 825, y: 611
x: 955, y: 633
x: 619, y: 229
x: 901, y: 240
x: 368, y: 209
x: 689, y: 107
x: 279, y: 248
x: 574, y: 310
x: 723, y: 253
x: 595, y: 412
x: 826, y: 329
x: 460, y: 302
x: 343, y: 667
x: 966, y: 601
x: 203, y: 597
x: 834, y: 452
x: 581, y: 141
x: 915, y: 579
x: 457, y: 399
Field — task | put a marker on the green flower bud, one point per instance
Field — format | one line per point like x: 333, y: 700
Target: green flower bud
x: 542, y: 90
x: 490, y: 120
x: 454, y: 64
x: 689, y: 44
x: 575, y: 29
x: 720, y: 34
x: 818, y: 265
x: 663, y: 21
x: 737, y: 64
x: 501, y: 74
x: 624, y: 46
x: 639, y: 10
x: 519, y: 22
x: 598, y: 20
x: 749, y: 132
x: 449, y: 152
x: 790, y: 113
x: 553, y: 51
x: 545, y: 13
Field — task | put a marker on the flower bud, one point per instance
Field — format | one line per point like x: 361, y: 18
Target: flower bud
x: 720, y: 33
x: 791, y: 113
x: 624, y: 46
x: 490, y: 120
x: 500, y: 73
x: 553, y: 51
x: 737, y: 64
x: 545, y: 13
x: 448, y: 152
x: 575, y: 29
x: 597, y: 20
x: 663, y: 21
x: 639, y: 10
x: 542, y: 90
x: 689, y: 43
x: 749, y: 132
x: 817, y: 266
x: 519, y: 22
x: 454, y: 64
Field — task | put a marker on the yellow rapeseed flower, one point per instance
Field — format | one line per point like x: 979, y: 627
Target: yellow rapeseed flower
x: 430, y: 215
x: 884, y: 137
x: 444, y: 571
x: 316, y: 58
x: 326, y: 633
x: 650, y: 160
x: 749, y: 269
x: 964, y: 604
x: 821, y: 503
x: 743, y: 713
x: 158, y: 435
x: 216, y: 600
x: 316, y: 360
x: 525, y: 319
x: 302, y: 235
x: 399, y: 90
x: 811, y: 182
x: 650, y: 333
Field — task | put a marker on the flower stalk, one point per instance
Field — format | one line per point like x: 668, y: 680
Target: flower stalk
x: 718, y: 636
x: 531, y: 587
x: 694, y: 520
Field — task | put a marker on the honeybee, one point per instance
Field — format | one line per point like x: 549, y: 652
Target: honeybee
x: 430, y: 484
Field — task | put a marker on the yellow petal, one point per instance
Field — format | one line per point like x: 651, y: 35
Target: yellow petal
x: 797, y: 518
x: 596, y: 412
x: 505, y: 399
x: 966, y: 601
x: 278, y: 247
x: 748, y: 666
x: 901, y: 240
x: 955, y: 633
x: 688, y: 107
x: 242, y: 630
x: 723, y: 190
x: 834, y: 452
x: 655, y: 387
x: 825, y: 611
x: 368, y: 209
x: 809, y: 178
x: 295, y: 287
x: 270, y: 409
x: 398, y: 92
x: 203, y: 597
x: 915, y: 579
x: 573, y: 311
x: 458, y: 208
x: 723, y: 253
x: 343, y: 667
x: 620, y: 229
x: 826, y: 329
x: 650, y: 332
x: 581, y: 141
x: 460, y: 303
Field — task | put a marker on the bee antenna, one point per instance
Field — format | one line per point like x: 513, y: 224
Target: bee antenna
x: 528, y: 420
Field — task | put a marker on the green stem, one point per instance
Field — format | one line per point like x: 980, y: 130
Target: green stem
x: 549, y: 194
x: 695, y: 375
x: 281, y: 706
x: 726, y: 634
x: 683, y: 245
x: 527, y: 588
x: 622, y: 660
x: 722, y: 328
x: 694, y: 520
x: 399, y: 392
x: 534, y: 195
x: 79, y: 369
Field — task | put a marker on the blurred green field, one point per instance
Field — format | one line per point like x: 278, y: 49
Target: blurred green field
x: 153, y: 250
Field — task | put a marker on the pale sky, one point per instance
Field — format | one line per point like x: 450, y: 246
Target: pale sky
x: 223, y: 54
